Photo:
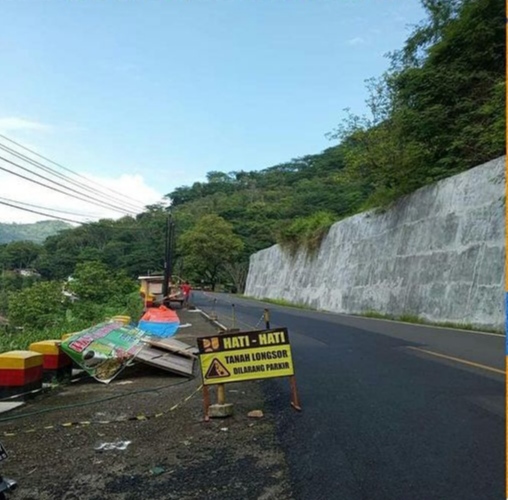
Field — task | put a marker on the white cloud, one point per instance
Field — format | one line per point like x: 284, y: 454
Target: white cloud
x: 126, y: 185
x: 128, y: 191
x: 12, y: 123
x: 356, y: 41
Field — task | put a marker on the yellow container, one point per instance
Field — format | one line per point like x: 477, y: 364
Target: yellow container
x: 122, y: 319
x: 46, y: 347
x: 20, y: 359
x: 65, y: 336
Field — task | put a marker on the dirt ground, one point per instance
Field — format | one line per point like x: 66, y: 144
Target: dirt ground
x: 173, y: 456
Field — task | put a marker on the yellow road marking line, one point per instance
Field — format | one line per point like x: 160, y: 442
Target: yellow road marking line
x: 458, y: 360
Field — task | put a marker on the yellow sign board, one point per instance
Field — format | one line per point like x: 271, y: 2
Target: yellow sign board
x: 244, y: 356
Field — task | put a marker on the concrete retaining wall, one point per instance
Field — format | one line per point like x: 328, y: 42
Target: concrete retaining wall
x: 438, y: 254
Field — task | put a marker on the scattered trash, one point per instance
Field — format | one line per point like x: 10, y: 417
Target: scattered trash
x: 118, y: 445
x: 186, y: 325
x: 225, y: 429
x: 186, y: 443
x: 255, y: 414
x: 157, y: 471
x: 124, y: 382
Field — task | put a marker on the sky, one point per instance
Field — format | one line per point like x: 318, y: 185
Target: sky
x: 143, y: 96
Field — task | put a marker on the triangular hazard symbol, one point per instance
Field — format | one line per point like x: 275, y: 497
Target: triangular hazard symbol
x: 217, y: 370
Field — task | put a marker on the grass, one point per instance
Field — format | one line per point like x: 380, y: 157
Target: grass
x: 412, y: 318
x: 306, y: 233
x: 21, y: 340
x: 404, y: 318
x: 280, y: 302
x: 375, y: 315
x: 286, y: 303
x: 12, y: 340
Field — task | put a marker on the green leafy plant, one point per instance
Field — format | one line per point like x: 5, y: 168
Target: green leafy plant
x: 306, y: 232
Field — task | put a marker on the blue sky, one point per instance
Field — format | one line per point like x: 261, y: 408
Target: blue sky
x: 167, y: 90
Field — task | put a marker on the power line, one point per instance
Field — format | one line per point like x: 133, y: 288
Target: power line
x: 48, y: 208
x: 115, y: 224
x: 127, y: 206
x: 103, y: 204
x: 41, y: 213
x: 69, y: 170
x: 9, y: 202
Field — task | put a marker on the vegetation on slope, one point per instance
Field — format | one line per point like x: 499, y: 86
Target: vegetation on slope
x: 37, y: 232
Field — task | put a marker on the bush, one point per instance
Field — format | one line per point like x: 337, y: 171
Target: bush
x: 306, y: 232
x: 40, y: 306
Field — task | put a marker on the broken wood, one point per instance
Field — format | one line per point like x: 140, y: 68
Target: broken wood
x: 172, y: 345
x: 175, y: 363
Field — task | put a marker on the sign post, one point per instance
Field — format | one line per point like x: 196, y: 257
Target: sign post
x: 242, y: 356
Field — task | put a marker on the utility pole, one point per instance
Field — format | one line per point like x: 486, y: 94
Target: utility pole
x: 168, y: 255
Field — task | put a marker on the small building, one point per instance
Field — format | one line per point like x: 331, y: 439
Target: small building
x: 151, y: 289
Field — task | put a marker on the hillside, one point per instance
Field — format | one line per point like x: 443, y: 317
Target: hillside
x: 36, y: 232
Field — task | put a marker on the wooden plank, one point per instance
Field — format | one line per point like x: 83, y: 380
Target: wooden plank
x: 166, y: 361
x: 172, y: 345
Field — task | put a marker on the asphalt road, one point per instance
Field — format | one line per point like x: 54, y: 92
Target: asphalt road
x: 390, y: 410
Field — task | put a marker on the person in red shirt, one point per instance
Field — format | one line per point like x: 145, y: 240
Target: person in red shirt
x: 186, y: 289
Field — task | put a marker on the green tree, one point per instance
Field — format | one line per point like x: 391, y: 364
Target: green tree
x: 102, y: 293
x: 209, y: 245
x: 20, y: 254
x: 40, y: 306
x: 440, y: 110
x: 94, y: 282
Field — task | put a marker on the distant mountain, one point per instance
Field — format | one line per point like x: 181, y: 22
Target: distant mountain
x: 37, y: 232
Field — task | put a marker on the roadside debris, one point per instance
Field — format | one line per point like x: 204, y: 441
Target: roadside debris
x: 157, y: 471
x: 168, y: 354
x: 159, y: 322
x: 255, y: 414
x: 117, y: 445
x: 104, y: 350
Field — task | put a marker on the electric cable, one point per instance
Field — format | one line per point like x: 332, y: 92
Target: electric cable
x: 87, y: 403
x: 103, y: 204
x: 48, y: 208
x: 66, y: 178
x: 67, y: 169
x: 64, y: 219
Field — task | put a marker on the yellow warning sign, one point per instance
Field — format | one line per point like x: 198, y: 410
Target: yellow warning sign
x: 245, y: 356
